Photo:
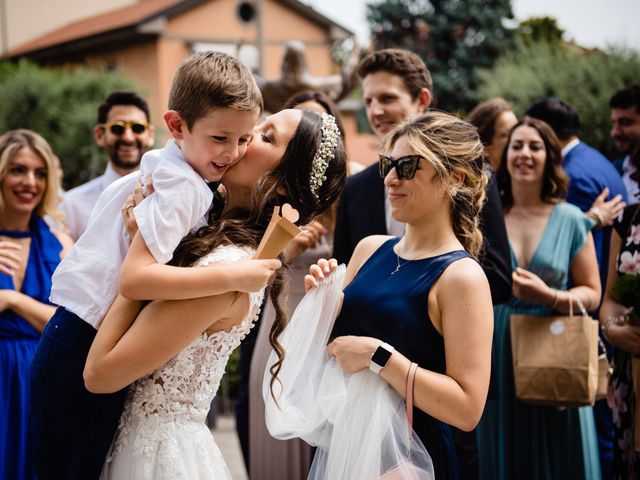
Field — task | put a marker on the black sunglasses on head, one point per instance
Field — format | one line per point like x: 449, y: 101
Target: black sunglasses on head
x: 405, y: 166
x: 119, y: 127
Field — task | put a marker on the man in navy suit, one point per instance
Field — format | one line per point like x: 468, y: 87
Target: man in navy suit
x: 396, y: 85
x: 625, y: 131
x: 597, y: 189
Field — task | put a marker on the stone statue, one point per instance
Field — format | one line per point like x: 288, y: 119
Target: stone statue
x: 295, y: 77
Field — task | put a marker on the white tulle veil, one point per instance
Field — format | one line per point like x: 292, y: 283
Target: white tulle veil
x: 357, y: 421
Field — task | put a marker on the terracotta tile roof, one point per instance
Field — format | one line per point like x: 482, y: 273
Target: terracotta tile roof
x: 132, y: 15
x: 116, y: 19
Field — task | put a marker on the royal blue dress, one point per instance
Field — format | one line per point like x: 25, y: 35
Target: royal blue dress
x: 18, y: 342
x: 393, y: 308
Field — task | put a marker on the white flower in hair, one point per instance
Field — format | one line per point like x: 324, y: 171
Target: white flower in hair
x: 324, y: 154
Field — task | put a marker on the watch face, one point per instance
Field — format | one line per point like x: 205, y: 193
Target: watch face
x: 381, y: 356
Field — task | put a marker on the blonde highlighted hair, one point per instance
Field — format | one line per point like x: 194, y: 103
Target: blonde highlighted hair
x: 208, y: 81
x: 10, y: 144
x: 454, y: 149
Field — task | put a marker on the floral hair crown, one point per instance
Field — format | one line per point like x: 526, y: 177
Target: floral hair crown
x: 324, y: 154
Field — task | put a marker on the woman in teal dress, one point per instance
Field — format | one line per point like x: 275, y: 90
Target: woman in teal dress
x: 554, y: 261
x: 29, y: 253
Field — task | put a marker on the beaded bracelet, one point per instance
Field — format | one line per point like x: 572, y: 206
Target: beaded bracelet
x: 611, y: 320
x: 595, y: 211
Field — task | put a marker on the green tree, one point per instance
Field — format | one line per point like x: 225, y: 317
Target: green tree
x: 62, y: 107
x: 540, y: 29
x: 454, y: 37
x: 584, y: 79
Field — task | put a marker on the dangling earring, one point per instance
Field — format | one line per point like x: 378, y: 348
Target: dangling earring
x: 453, y: 192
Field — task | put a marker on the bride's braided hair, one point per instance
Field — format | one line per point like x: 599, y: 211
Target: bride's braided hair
x: 289, y: 183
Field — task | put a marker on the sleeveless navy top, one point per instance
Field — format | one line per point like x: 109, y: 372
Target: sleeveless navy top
x: 393, y: 308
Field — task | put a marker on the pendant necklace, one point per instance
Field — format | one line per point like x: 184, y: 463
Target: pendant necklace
x: 399, y: 264
x: 407, y: 261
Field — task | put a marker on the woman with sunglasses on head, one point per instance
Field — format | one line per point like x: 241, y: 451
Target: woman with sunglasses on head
x: 29, y: 253
x: 554, y: 262
x: 422, y: 298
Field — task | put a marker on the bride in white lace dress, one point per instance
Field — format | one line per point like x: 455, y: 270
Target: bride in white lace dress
x: 176, y: 351
x: 162, y: 431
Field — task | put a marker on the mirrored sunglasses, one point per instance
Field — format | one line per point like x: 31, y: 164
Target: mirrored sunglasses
x: 118, y: 127
x: 405, y: 166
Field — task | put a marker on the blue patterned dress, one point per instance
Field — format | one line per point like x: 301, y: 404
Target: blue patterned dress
x: 518, y: 440
x: 18, y: 342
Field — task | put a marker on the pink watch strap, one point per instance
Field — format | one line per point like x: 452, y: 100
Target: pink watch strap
x: 409, y: 397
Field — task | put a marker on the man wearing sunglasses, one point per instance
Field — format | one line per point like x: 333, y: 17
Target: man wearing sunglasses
x: 396, y: 85
x: 124, y: 131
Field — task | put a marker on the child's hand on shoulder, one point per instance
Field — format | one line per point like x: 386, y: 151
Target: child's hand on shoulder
x: 252, y: 275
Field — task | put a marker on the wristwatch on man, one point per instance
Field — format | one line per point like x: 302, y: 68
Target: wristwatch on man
x: 380, y: 357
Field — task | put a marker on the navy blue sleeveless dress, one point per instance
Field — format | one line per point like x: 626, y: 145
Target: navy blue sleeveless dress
x: 393, y: 308
x: 18, y: 342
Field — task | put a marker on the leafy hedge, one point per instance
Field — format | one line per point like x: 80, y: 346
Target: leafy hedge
x: 584, y: 79
x: 62, y: 107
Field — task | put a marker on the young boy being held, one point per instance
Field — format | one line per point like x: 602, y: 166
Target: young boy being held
x: 214, y: 104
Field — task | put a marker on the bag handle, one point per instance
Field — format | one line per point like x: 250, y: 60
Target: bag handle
x: 411, y: 376
x: 583, y: 311
x: 573, y: 298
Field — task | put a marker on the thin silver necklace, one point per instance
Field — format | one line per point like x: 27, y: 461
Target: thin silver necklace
x: 400, y: 265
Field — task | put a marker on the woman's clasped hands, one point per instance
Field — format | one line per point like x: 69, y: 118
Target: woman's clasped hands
x: 529, y: 287
x: 9, y: 260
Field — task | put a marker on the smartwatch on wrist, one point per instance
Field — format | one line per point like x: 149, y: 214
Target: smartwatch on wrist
x: 380, y: 357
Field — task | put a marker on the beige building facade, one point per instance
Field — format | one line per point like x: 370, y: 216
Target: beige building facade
x: 146, y: 41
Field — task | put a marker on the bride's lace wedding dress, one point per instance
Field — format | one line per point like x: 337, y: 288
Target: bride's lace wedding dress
x: 162, y: 434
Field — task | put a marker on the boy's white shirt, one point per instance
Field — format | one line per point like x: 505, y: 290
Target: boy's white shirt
x: 86, y: 281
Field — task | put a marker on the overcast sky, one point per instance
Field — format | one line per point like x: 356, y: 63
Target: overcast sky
x: 591, y: 23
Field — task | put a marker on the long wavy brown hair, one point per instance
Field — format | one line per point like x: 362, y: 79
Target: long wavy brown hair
x: 289, y: 183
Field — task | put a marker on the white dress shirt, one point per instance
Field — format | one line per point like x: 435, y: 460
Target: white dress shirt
x: 78, y: 202
x: 633, y: 189
x: 86, y: 281
x: 570, y: 146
